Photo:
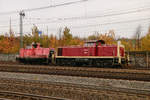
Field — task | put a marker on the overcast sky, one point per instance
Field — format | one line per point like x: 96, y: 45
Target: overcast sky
x: 84, y: 18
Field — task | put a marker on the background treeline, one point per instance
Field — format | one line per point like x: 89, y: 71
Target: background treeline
x: 11, y: 44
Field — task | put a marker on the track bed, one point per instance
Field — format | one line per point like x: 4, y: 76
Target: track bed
x: 109, y: 73
x: 74, y: 88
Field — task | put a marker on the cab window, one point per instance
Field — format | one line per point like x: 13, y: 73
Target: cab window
x: 89, y: 44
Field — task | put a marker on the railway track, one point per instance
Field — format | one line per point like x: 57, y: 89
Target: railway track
x: 125, y: 74
x: 42, y: 89
x: 9, y: 95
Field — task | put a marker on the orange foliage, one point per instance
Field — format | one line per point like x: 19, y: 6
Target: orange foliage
x: 11, y: 44
x: 109, y: 38
x: 8, y: 45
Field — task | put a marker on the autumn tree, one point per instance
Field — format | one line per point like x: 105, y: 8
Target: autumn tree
x: 67, y: 36
x: 77, y: 41
x: 9, y: 44
x: 109, y: 37
x: 53, y: 41
x: 145, y: 41
x: 127, y: 44
x: 27, y: 39
x: 136, y: 38
x: 35, y: 33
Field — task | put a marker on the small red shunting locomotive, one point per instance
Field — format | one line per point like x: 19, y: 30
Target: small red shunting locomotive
x: 35, y: 54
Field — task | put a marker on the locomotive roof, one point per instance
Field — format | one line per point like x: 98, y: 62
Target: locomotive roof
x: 94, y: 41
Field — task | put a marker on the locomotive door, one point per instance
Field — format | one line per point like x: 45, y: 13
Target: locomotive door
x: 85, y: 51
x: 89, y: 50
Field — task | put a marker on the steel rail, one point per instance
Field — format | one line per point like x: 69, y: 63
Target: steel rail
x: 25, y: 95
x: 72, y: 90
x: 125, y: 74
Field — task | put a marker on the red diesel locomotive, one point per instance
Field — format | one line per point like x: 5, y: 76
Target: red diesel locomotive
x: 35, y: 54
x: 92, y: 53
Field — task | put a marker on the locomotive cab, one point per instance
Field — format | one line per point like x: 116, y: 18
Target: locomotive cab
x: 36, y: 45
x: 94, y: 43
x: 100, y: 42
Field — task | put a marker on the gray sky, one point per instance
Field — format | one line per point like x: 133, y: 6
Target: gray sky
x: 123, y: 16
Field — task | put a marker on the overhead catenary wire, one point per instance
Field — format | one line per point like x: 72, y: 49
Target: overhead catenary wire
x: 108, y: 23
x: 117, y: 31
x: 6, y: 21
x: 91, y: 17
x: 114, y: 13
x: 42, y: 8
x: 115, y: 22
x: 54, y: 30
x: 52, y: 6
x: 88, y: 17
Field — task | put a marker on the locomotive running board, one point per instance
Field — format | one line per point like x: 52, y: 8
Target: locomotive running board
x: 87, y: 57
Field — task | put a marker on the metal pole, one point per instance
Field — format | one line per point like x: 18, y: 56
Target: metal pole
x: 21, y: 28
x: 10, y: 28
x: 60, y: 29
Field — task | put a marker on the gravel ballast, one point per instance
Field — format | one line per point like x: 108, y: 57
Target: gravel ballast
x: 140, y: 85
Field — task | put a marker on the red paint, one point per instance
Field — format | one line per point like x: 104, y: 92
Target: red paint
x: 37, y: 52
x: 92, y: 50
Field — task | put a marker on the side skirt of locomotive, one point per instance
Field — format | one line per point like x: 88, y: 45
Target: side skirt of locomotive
x: 90, y: 61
